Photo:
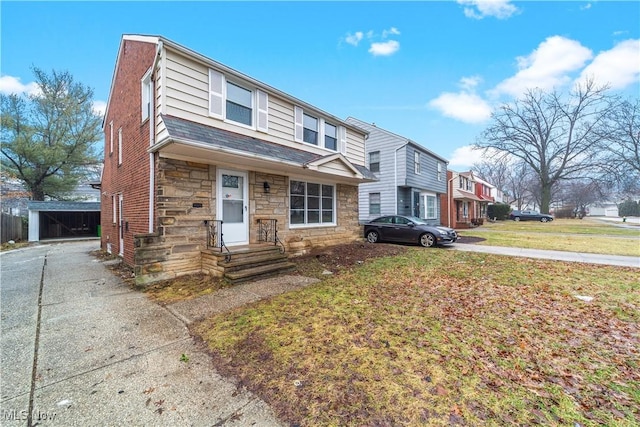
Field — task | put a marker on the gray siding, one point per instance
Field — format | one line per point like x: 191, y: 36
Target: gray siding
x: 397, y: 180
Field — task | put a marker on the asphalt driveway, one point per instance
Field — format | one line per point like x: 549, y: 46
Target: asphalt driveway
x: 80, y: 348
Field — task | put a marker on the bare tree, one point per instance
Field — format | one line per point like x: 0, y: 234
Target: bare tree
x: 557, y: 139
x: 623, y: 142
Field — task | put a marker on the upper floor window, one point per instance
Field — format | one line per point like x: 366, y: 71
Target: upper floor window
x: 374, y: 161
x: 233, y: 102
x: 146, y: 96
x: 316, y: 131
x: 239, y: 104
x: 416, y: 162
x: 439, y: 171
x: 330, y: 137
x: 310, y: 131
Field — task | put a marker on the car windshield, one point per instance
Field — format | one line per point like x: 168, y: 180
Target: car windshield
x: 416, y: 220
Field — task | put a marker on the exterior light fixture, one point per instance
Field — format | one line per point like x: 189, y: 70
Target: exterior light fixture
x: 267, y: 187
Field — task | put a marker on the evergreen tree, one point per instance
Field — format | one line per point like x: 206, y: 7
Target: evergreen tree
x: 48, y: 137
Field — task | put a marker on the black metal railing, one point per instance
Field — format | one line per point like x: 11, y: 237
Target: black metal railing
x: 268, y: 232
x: 215, y: 237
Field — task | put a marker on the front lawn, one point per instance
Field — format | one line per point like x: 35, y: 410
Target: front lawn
x: 572, y: 235
x: 441, y: 337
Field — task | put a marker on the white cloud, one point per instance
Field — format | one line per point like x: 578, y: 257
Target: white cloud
x: 377, y: 48
x: 478, y: 9
x: 11, y: 85
x: 99, y: 107
x: 354, y: 39
x: 463, y: 106
x: 384, y: 48
x: 392, y: 30
x: 547, y: 67
x: 617, y: 67
x: 464, y: 157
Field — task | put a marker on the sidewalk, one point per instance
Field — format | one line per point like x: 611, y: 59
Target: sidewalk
x: 622, y: 261
x: 79, y: 347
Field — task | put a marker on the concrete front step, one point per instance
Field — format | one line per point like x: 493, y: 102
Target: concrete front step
x: 237, y: 263
x: 252, y: 262
x: 259, y: 272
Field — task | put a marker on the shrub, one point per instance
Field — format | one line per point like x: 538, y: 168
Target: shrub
x: 499, y: 211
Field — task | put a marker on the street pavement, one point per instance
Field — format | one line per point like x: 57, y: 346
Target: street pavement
x: 80, y: 348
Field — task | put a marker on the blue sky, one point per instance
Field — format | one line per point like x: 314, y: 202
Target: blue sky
x: 431, y: 71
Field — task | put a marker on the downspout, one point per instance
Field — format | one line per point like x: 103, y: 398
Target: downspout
x: 395, y: 176
x: 152, y: 138
x: 449, y: 196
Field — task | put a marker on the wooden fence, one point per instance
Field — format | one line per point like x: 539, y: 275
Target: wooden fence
x: 11, y: 228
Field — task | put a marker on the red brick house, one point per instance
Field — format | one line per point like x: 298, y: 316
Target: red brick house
x: 202, y: 160
x: 458, y: 205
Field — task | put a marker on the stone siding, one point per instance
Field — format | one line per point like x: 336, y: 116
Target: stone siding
x: 186, y: 197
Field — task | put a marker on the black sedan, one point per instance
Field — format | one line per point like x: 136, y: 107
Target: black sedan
x: 407, y: 229
x: 530, y: 216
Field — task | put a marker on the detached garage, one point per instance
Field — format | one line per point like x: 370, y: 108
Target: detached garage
x: 56, y: 220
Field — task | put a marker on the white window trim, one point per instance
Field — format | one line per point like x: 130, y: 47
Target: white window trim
x: 416, y: 162
x: 335, y: 204
x: 439, y: 171
x: 298, y: 131
x: 218, y: 102
x: 119, y: 146
x: 146, y: 95
x: 253, y: 105
x: 113, y: 207
x: 425, y: 197
x: 111, y: 137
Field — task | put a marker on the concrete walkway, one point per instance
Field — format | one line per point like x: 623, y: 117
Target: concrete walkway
x: 622, y: 261
x: 80, y: 348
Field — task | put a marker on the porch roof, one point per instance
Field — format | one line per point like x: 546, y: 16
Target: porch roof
x: 464, y: 195
x: 198, y: 139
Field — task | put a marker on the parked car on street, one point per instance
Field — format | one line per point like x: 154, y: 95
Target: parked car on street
x: 407, y: 229
x: 530, y: 216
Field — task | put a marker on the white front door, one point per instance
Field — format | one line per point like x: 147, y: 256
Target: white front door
x: 233, y: 206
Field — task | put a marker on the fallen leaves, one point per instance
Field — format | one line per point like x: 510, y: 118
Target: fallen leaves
x: 438, y: 337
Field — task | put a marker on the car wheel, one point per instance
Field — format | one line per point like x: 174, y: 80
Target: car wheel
x: 544, y: 219
x: 428, y: 240
x: 516, y: 218
x: 373, y: 236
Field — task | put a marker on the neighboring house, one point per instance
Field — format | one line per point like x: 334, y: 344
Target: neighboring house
x: 484, y: 193
x: 13, y: 195
x: 197, y: 154
x: 603, y: 209
x: 411, y: 179
x: 460, y: 205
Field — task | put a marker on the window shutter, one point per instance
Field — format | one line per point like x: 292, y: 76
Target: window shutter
x: 216, y: 82
x: 321, y: 131
x: 263, y: 111
x: 298, y: 129
x: 342, y: 135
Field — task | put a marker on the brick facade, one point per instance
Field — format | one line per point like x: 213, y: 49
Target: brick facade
x: 131, y: 178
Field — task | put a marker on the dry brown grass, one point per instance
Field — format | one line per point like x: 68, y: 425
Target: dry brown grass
x: 438, y: 337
